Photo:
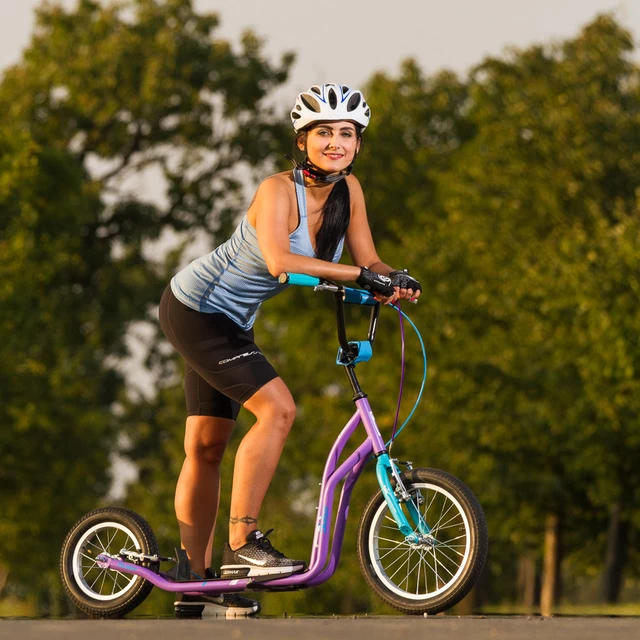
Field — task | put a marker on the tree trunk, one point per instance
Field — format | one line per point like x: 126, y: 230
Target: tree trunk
x: 615, y: 555
x: 527, y: 581
x: 551, y: 566
x: 4, y: 574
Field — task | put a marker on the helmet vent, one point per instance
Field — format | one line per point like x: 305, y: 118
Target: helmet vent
x: 329, y: 102
x: 333, y: 99
x: 354, y: 101
x: 310, y: 102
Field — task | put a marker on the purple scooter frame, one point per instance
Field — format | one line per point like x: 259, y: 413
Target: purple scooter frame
x: 323, y: 563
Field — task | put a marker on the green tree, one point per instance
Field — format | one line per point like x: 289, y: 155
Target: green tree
x: 102, y: 94
x: 537, y: 203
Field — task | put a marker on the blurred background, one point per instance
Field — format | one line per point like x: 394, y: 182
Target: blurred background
x: 502, y: 166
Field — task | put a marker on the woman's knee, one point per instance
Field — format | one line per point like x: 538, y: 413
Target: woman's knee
x: 287, y: 414
x: 273, y: 406
x: 278, y: 417
x: 206, y: 438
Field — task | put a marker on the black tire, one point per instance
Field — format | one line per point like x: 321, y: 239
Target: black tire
x: 103, y: 593
x: 451, y: 561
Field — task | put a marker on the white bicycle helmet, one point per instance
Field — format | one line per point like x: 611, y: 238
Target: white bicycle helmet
x: 330, y: 102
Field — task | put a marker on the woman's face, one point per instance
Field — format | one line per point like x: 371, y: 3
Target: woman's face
x: 332, y: 146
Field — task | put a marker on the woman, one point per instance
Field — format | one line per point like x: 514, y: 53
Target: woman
x: 297, y: 222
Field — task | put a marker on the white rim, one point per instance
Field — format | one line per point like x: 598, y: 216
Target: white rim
x: 93, y: 580
x: 430, y: 569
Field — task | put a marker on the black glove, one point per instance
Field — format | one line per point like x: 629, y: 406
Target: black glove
x: 403, y: 280
x: 374, y: 282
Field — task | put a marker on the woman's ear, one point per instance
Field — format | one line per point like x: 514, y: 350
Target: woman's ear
x: 301, y: 141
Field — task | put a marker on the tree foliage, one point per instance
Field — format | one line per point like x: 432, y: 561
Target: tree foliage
x: 103, y: 93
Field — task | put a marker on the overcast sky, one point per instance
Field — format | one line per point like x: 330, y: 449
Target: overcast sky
x: 346, y: 41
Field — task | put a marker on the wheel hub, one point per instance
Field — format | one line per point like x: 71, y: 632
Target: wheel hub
x: 420, y: 541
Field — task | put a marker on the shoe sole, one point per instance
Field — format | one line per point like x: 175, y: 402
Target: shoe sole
x: 231, y: 571
x: 202, y: 611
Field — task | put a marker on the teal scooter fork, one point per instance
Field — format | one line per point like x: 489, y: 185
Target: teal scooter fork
x: 385, y: 470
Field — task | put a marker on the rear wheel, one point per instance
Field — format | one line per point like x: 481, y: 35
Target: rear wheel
x: 436, y: 573
x: 105, y: 593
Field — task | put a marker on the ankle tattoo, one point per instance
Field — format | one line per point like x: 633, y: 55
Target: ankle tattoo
x: 243, y: 520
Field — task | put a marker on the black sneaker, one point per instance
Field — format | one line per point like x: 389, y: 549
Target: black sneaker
x: 257, y: 558
x: 227, y: 605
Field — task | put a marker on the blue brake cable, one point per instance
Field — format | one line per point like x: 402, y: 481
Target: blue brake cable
x: 395, y: 432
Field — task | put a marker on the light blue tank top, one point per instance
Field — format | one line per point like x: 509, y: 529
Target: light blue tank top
x: 233, y: 279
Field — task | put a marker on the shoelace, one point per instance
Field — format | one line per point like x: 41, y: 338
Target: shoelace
x: 268, y: 547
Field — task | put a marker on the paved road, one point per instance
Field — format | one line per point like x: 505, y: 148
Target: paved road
x: 365, y: 628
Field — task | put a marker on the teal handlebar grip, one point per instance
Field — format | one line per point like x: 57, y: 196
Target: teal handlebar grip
x: 299, y: 279
x: 358, y: 296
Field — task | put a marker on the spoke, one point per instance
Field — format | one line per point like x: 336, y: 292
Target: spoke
x: 93, y: 560
x: 426, y: 574
x: 126, y: 576
x: 127, y: 580
x: 434, y: 570
x: 419, y: 568
x: 93, y: 544
x: 115, y: 533
x: 406, y: 580
x: 400, y: 567
x: 429, y: 503
x: 462, y: 535
x: 131, y: 545
x: 435, y: 567
x: 397, y: 560
x: 389, y: 540
x: 97, y: 578
x: 443, y: 513
x: 100, y: 541
x: 449, y: 523
x: 442, y: 543
x: 103, y: 581
x: 446, y: 546
x: 438, y: 562
x: 454, y: 561
x: 424, y: 557
x: 391, y: 549
x: 414, y: 568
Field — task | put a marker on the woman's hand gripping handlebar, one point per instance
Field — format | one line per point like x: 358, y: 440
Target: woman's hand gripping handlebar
x: 342, y: 295
x: 349, y: 295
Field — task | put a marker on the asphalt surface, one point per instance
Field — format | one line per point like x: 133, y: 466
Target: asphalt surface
x: 366, y: 628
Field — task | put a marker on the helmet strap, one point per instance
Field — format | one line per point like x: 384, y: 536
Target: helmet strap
x: 317, y: 174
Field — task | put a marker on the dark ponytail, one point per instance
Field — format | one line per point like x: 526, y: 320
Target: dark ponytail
x: 336, y: 215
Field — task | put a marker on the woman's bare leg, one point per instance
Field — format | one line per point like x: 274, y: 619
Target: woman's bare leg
x: 258, y: 456
x: 198, y: 489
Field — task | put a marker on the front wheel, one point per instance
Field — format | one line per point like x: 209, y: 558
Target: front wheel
x: 105, y: 593
x: 434, y: 574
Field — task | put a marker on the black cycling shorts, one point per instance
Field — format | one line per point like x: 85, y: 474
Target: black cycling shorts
x: 223, y: 365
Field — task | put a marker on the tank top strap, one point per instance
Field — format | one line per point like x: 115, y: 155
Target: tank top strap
x: 301, y: 192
